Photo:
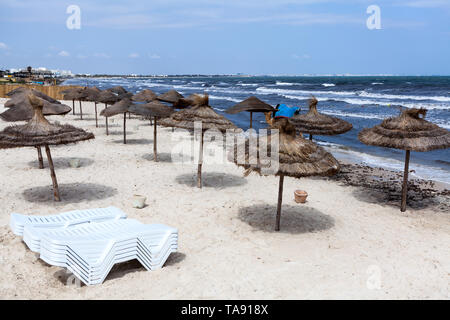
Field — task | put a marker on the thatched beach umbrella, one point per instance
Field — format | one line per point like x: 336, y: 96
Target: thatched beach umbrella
x: 20, y: 109
x: 145, y: 95
x: 297, y: 157
x: 107, y: 97
x: 39, y: 132
x: 408, y: 132
x: 252, y: 104
x: 24, y: 91
x: 202, y: 112
x: 119, y: 108
x: 316, y: 123
x: 117, y: 90
x: 91, y: 94
x: 74, y: 94
x: 171, y: 96
x: 156, y: 110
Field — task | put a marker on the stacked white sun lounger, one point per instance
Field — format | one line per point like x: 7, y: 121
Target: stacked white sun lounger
x: 89, y: 244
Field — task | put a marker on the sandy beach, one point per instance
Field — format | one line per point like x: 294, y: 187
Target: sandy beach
x: 348, y: 241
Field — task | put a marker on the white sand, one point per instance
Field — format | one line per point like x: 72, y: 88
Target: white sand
x: 334, y: 246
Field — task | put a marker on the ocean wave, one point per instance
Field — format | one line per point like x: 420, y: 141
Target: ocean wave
x: 342, y: 152
x: 224, y: 98
x: 403, y: 97
x: 328, y: 84
x: 352, y: 114
x: 248, y: 84
x: 281, y: 83
x: 375, y: 83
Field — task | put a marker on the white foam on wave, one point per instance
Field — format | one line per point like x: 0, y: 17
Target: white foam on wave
x: 328, y: 84
x: 375, y: 83
x: 248, y: 84
x: 403, y: 97
x: 224, y: 98
x: 349, y: 97
x: 281, y: 83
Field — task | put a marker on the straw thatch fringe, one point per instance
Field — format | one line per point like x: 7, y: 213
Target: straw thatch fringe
x: 151, y: 109
x: 20, y: 108
x: 316, y: 123
x: 170, y: 96
x: 408, y: 131
x: 251, y: 104
x: 117, y: 108
x: 297, y: 157
x: 39, y: 132
x: 200, y: 111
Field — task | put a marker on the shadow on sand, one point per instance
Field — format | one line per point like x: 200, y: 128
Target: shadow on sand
x: 215, y: 180
x: 63, y: 162
x: 393, y: 199
x: 294, y: 219
x: 70, y: 193
x: 134, y: 141
x: 162, y: 157
x: 119, y: 270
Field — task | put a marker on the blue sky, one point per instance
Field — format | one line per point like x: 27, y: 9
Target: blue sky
x: 228, y: 36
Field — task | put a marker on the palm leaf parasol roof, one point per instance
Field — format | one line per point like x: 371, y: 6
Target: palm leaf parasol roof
x: 106, y: 96
x: 171, y: 96
x: 145, y: 95
x: 408, y: 131
x: 39, y: 132
x: 117, y: 90
x: 20, y: 108
x: 251, y: 104
x: 298, y: 157
x: 152, y: 109
x: 317, y: 123
x: 200, y: 111
x: 117, y: 108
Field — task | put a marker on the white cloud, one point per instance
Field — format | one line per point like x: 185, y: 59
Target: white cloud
x: 154, y: 56
x: 133, y: 55
x: 3, y: 45
x: 81, y: 56
x: 63, y: 53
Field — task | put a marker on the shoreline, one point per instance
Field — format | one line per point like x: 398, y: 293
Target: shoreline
x: 227, y: 246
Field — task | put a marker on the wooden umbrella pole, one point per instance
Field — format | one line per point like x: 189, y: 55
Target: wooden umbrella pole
x: 73, y: 106
x: 53, y: 175
x: 81, y: 112
x: 106, y: 120
x: 41, y: 162
x: 310, y: 136
x: 251, y: 119
x: 155, y: 153
x: 124, y: 128
x: 280, y: 200
x: 200, y: 162
x: 96, y: 120
x: 405, y: 182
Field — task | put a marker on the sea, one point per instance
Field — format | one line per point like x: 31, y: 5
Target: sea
x: 362, y: 100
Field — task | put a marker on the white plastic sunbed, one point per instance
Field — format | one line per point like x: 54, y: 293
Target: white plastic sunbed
x: 19, y: 221
x: 90, y: 242
x: 90, y: 251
